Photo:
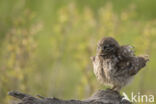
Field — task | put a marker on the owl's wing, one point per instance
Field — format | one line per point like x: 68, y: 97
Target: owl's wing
x: 137, y: 64
x: 126, y: 51
x: 92, y: 58
x: 131, y: 66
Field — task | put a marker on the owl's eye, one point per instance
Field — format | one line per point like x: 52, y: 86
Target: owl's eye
x: 111, y: 45
x: 103, y: 46
x: 106, y: 46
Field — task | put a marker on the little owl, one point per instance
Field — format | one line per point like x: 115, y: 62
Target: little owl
x: 116, y: 65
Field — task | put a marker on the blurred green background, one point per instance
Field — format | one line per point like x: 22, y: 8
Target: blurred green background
x: 45, y: 45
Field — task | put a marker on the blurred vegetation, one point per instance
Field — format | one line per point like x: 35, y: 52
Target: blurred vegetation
x: 46, y: 45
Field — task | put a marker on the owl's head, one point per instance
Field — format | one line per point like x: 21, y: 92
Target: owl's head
x: 107, y: 46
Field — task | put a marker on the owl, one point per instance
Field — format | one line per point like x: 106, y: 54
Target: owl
x: 115, y: 65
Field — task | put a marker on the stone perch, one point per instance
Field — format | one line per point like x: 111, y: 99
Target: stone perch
x: 100, y: 97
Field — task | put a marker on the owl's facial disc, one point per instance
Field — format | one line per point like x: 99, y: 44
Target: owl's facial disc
x: 107, y: 46
x: 106, y: 49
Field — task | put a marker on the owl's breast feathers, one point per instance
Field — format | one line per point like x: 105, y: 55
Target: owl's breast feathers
x: 99, y: 69
x: 103, y: 68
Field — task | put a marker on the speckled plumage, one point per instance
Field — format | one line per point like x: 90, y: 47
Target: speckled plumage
x: 116, y: 65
